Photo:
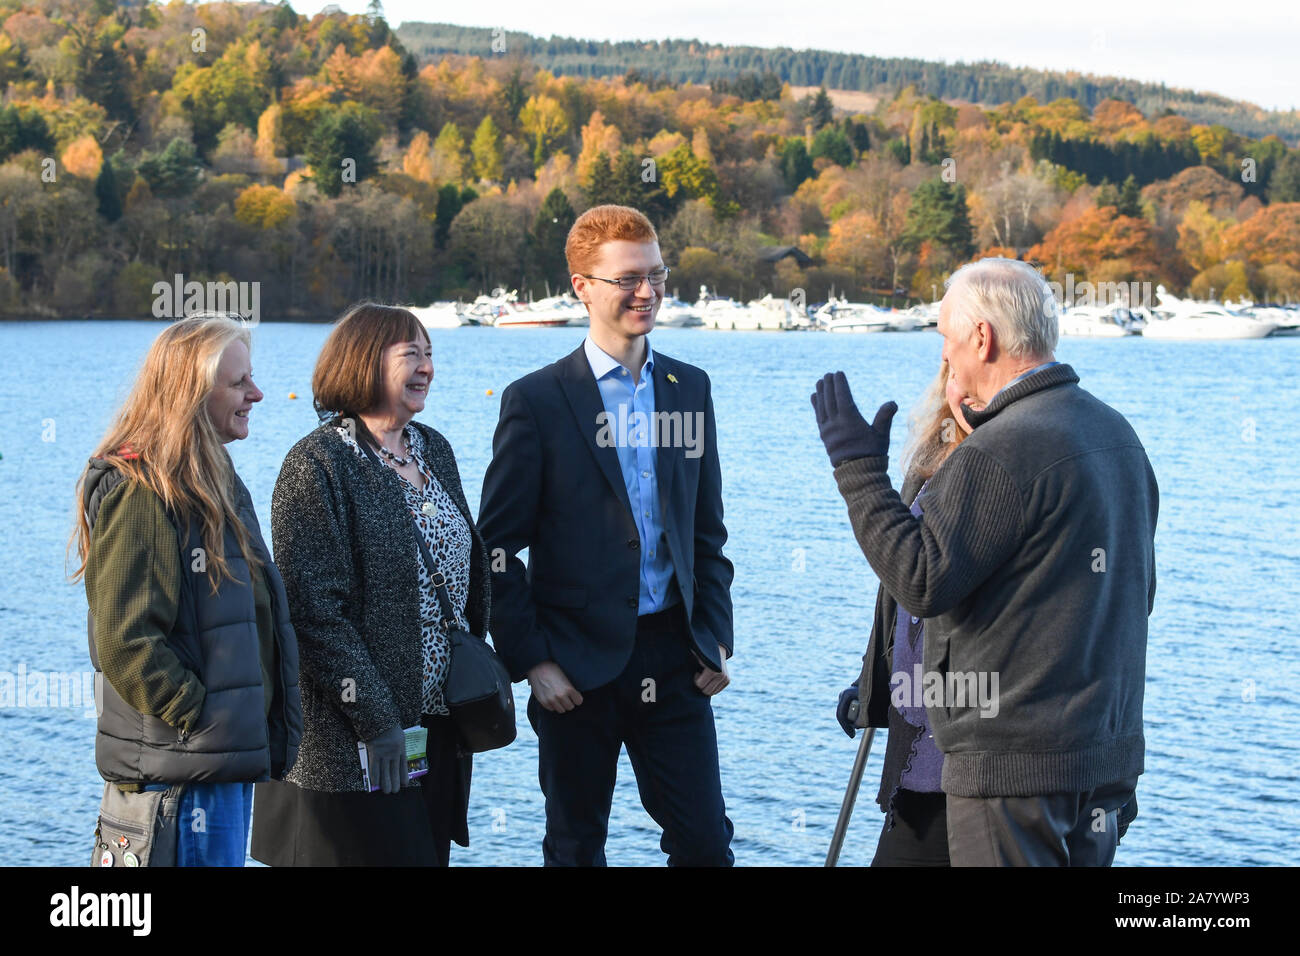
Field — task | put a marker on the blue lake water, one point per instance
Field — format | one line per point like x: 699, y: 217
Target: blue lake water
x: 1222, y: 709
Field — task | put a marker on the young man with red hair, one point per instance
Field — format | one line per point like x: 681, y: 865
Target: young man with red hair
x: 605, y: 467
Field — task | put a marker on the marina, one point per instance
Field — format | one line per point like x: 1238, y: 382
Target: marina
x: 1170, y: 318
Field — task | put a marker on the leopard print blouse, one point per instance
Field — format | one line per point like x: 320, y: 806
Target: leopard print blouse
x: 448, y: 536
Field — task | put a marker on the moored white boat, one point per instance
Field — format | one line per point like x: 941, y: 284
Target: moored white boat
x: 558, y: 307
x: 1176, y: 318
x: 1092, y: 321
x: 485, y: 308
x: 926, y: 316
x: 525, y: 318
x: 439, y: 315
x: 840, y: 315
x: 903, y: 322
x: 675, y: 314
x: 772, y: 314
x: 1208, y: 325
x: 503, y: 310
x: 717, y: 312
x: 1285, y: 317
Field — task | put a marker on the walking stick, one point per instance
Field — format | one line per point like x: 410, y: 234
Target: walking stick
x: 851, y: 794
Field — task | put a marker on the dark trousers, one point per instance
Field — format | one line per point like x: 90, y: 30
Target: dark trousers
x: 1055, y: 829
x: 919, y: 836
x: 655, y: 709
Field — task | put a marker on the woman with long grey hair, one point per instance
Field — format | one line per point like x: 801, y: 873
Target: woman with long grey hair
x: 196, y: 661
x: 915, y: 831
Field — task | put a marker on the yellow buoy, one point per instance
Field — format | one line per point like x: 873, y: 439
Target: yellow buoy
x: 293, y: 394
x: 489, y: 391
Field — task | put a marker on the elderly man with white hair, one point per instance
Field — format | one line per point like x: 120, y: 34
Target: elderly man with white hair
x: 1033, y: 563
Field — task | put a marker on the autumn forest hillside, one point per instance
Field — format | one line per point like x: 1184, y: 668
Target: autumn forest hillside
x: 321, y: 158
x: 737, y: 67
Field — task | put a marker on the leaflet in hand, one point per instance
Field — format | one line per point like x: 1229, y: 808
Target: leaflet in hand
x: 417, y: 756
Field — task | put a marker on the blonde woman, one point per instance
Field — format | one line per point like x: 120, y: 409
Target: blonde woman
x: 915, y: 832
x: 195, y: 657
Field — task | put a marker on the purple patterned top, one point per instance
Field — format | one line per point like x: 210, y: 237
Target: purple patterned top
x: 924, y: 768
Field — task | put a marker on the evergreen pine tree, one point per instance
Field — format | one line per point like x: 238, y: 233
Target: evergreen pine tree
x: 600, y: 187
x: 796, y: 164
x: 820, y: 110
x: 1130, y: 199
x: 110, y: 204
x: 1284, y: 184
x: 550, y: 229
x: 938, y: 213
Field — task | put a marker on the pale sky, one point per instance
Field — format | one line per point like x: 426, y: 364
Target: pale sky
x: 1246, y: 50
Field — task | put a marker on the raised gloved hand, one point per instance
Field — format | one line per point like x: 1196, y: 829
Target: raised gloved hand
x: 386, y: 757
x: 845, y: 711
x: 844, y: 431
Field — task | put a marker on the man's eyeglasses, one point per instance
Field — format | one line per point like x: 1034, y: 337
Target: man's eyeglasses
x: 632, y: 283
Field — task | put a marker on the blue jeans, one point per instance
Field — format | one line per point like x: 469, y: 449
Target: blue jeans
x: 213, y: 824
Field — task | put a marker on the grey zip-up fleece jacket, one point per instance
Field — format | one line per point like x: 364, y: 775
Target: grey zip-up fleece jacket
x: 1034, y: 561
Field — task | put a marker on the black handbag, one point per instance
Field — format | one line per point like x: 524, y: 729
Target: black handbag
x: 477, y: 690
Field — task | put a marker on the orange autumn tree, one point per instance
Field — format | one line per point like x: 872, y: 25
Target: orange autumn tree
x: 373, y: 79
x: 270, y: 135
x: 418, y: 159
x: 995, y: 252
x: 83, y: 157
x: 1271, y: 236
x: 856, y: 244
x: 1098, y: 243
x: 931, y: 271
x: 1115, y: 118
x: 597, y: 137
x: 1195, y: 183
x: 1260, y: 256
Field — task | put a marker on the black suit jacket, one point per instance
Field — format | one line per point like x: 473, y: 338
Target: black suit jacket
x: 551, y: 488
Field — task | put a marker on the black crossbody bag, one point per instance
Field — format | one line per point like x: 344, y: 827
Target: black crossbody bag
x: 477, y: 689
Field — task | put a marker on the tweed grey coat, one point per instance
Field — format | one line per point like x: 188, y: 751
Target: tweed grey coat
x: 345, y: 545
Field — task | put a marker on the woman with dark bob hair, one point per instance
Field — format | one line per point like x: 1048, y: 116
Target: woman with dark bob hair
x: 351, y: 497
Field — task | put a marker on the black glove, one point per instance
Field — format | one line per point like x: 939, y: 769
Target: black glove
x: 386, y: 757
x: 848, y: 697
x: 844, y: 431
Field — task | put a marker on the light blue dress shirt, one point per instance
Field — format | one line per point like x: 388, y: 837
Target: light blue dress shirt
x: 631, y: 406
x: 1037, y: 368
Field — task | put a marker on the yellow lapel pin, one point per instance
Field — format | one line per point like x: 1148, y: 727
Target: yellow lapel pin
x: 672, y: 378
